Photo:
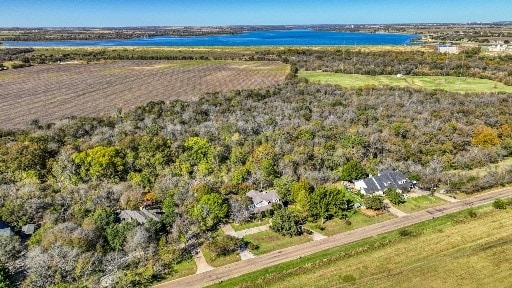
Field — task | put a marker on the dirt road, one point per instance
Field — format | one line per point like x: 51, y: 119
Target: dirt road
x: 291, y: 253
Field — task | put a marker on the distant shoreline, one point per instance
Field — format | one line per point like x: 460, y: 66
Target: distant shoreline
x: 259, y: 38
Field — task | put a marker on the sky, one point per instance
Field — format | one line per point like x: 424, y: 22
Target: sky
x: 110, y: 13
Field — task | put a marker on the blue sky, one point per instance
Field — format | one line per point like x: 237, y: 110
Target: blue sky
x: 97, y: 13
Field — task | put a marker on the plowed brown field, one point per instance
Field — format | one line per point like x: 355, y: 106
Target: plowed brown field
x: 51, y: 92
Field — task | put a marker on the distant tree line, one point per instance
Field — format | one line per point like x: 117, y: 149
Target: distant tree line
x: 469, y: 63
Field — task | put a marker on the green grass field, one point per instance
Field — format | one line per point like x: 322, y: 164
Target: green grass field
x: 448, y: 83
x: 451, y: 251
x: 358, y: 220
x: 183, y: 269
x: 251, y: 224
x: 219, y: 261
x: 415, y: 204
x: 268, y: 241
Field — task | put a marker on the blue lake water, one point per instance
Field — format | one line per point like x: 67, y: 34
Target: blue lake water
x: 250, y: 38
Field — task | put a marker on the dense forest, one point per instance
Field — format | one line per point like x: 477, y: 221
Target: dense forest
x: 197, y: 159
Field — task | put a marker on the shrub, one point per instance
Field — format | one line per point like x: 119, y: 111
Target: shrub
x: 404, y: 232
x: 499, y: 204
x: 348, y: 278
x: 374, y: 202
x: 394, y: 196
x: 223, y: 245
x: 472, y: 213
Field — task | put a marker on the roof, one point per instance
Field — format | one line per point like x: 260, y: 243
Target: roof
x: 5, y: 230
x: 386, y: 179
x: 28, y: 229
x: 141, y: 216
x: 262, y: 200
x: 257, y: 196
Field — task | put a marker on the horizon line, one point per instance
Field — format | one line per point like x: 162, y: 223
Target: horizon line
x: 266, y: 25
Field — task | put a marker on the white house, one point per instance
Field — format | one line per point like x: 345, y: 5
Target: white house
x: 450, y: 49
x: 378, y: 184
x: 499, y: 47
x: 262, y: 200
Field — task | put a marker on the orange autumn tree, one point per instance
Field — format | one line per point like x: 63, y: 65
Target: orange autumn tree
x: 485, y: 137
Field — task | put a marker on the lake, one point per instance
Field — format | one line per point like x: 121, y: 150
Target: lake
x: 250, y: 38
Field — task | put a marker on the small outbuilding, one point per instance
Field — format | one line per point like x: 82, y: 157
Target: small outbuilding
x: 28, y: 229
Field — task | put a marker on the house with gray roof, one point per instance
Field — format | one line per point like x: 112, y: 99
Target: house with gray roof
x: 384, y: 180
x: 262, y: 200
x: 5, y: 230
x: 140, y: 216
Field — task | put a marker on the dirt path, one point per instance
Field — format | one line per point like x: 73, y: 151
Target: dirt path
x: 280, y: 256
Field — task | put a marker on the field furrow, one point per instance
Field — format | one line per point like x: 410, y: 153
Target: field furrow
x: 51, y: 92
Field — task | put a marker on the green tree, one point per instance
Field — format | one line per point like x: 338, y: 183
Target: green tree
x: 5, y: 277
x: 327, y: 203
x: 263, y: 164
x: 353, y: 170
x: 374, y: 202
x: 101, y: 163
x: 168, y: 209
x: 27, y: 157
x: 300, y: 192
x: 286, y: 223
x: 283, y: 187
x: 394, y: 196
x: 199, y: 156
x: 103, y: 218
x: 116, y: 234
x: 223, y: 245
x: 210, y: 210
x: 198, y: 150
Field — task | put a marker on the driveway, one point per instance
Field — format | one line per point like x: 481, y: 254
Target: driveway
x: 393, y: 210
x: 291, y: 253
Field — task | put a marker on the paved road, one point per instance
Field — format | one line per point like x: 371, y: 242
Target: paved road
x: 291, y: 253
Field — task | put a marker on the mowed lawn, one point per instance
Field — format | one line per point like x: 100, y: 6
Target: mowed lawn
x: 250, y: 224
x: 268, y: 241
x: 219, y: 261
x: 51, y: 92
x: 185, y: 268
x: 455, y: 251
x: 415, y: 204
x: 448, y: 83
x: 358, y: 220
